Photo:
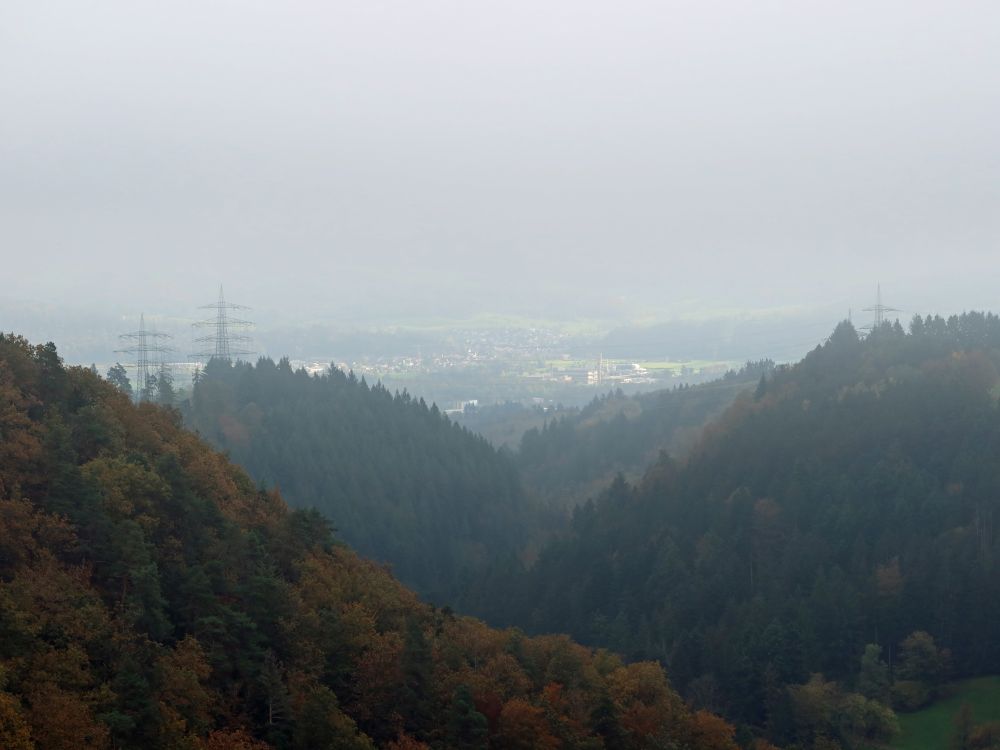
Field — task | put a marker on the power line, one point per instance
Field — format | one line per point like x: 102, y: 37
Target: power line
x: 880, y: 310
x: 229, y: 336
x: 147, y: 348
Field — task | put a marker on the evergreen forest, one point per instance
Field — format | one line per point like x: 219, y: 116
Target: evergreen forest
x: 152, y: 595
x: 831, y: 534
x: 401, y: 482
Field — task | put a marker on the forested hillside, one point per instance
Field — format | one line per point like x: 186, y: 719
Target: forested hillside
x: 504, y: 424
x: 401, y: 483
x: 574, y: 456
x: 837, y: 522
x: 151, y: 595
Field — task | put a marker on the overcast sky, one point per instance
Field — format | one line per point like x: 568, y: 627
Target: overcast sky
x: 458, y: 156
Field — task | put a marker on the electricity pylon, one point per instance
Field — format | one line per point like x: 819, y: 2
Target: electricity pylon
x: 229, y: 337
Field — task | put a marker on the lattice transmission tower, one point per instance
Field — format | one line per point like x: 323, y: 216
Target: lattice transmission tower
x: 880, y: 310
x: 228, y: 337
x: 148, y: 349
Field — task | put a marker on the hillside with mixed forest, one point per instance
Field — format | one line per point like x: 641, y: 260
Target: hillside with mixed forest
x: 401, y: 482
x: 152, y: 595
x: 820, y: 555
x: 834, y: 524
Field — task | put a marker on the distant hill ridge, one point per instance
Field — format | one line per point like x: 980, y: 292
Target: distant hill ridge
x: 573, y: 456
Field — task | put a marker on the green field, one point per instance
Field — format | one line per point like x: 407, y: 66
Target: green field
x: 931, y: 728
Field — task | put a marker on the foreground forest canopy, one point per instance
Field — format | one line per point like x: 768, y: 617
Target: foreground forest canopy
x: 832, y: 532
x: 151, y: 595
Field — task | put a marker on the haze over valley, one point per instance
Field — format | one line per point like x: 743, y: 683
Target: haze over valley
x: 520, y: 376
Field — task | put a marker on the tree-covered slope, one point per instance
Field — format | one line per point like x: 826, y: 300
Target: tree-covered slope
x: 575, y: 455
x: 152, y: 596
x: 849, y: 501
x: 401, y: 483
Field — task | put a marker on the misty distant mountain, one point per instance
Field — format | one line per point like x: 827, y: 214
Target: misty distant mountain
x: 574, y: 455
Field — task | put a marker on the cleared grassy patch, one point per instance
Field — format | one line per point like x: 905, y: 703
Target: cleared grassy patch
x: 931, y: 728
